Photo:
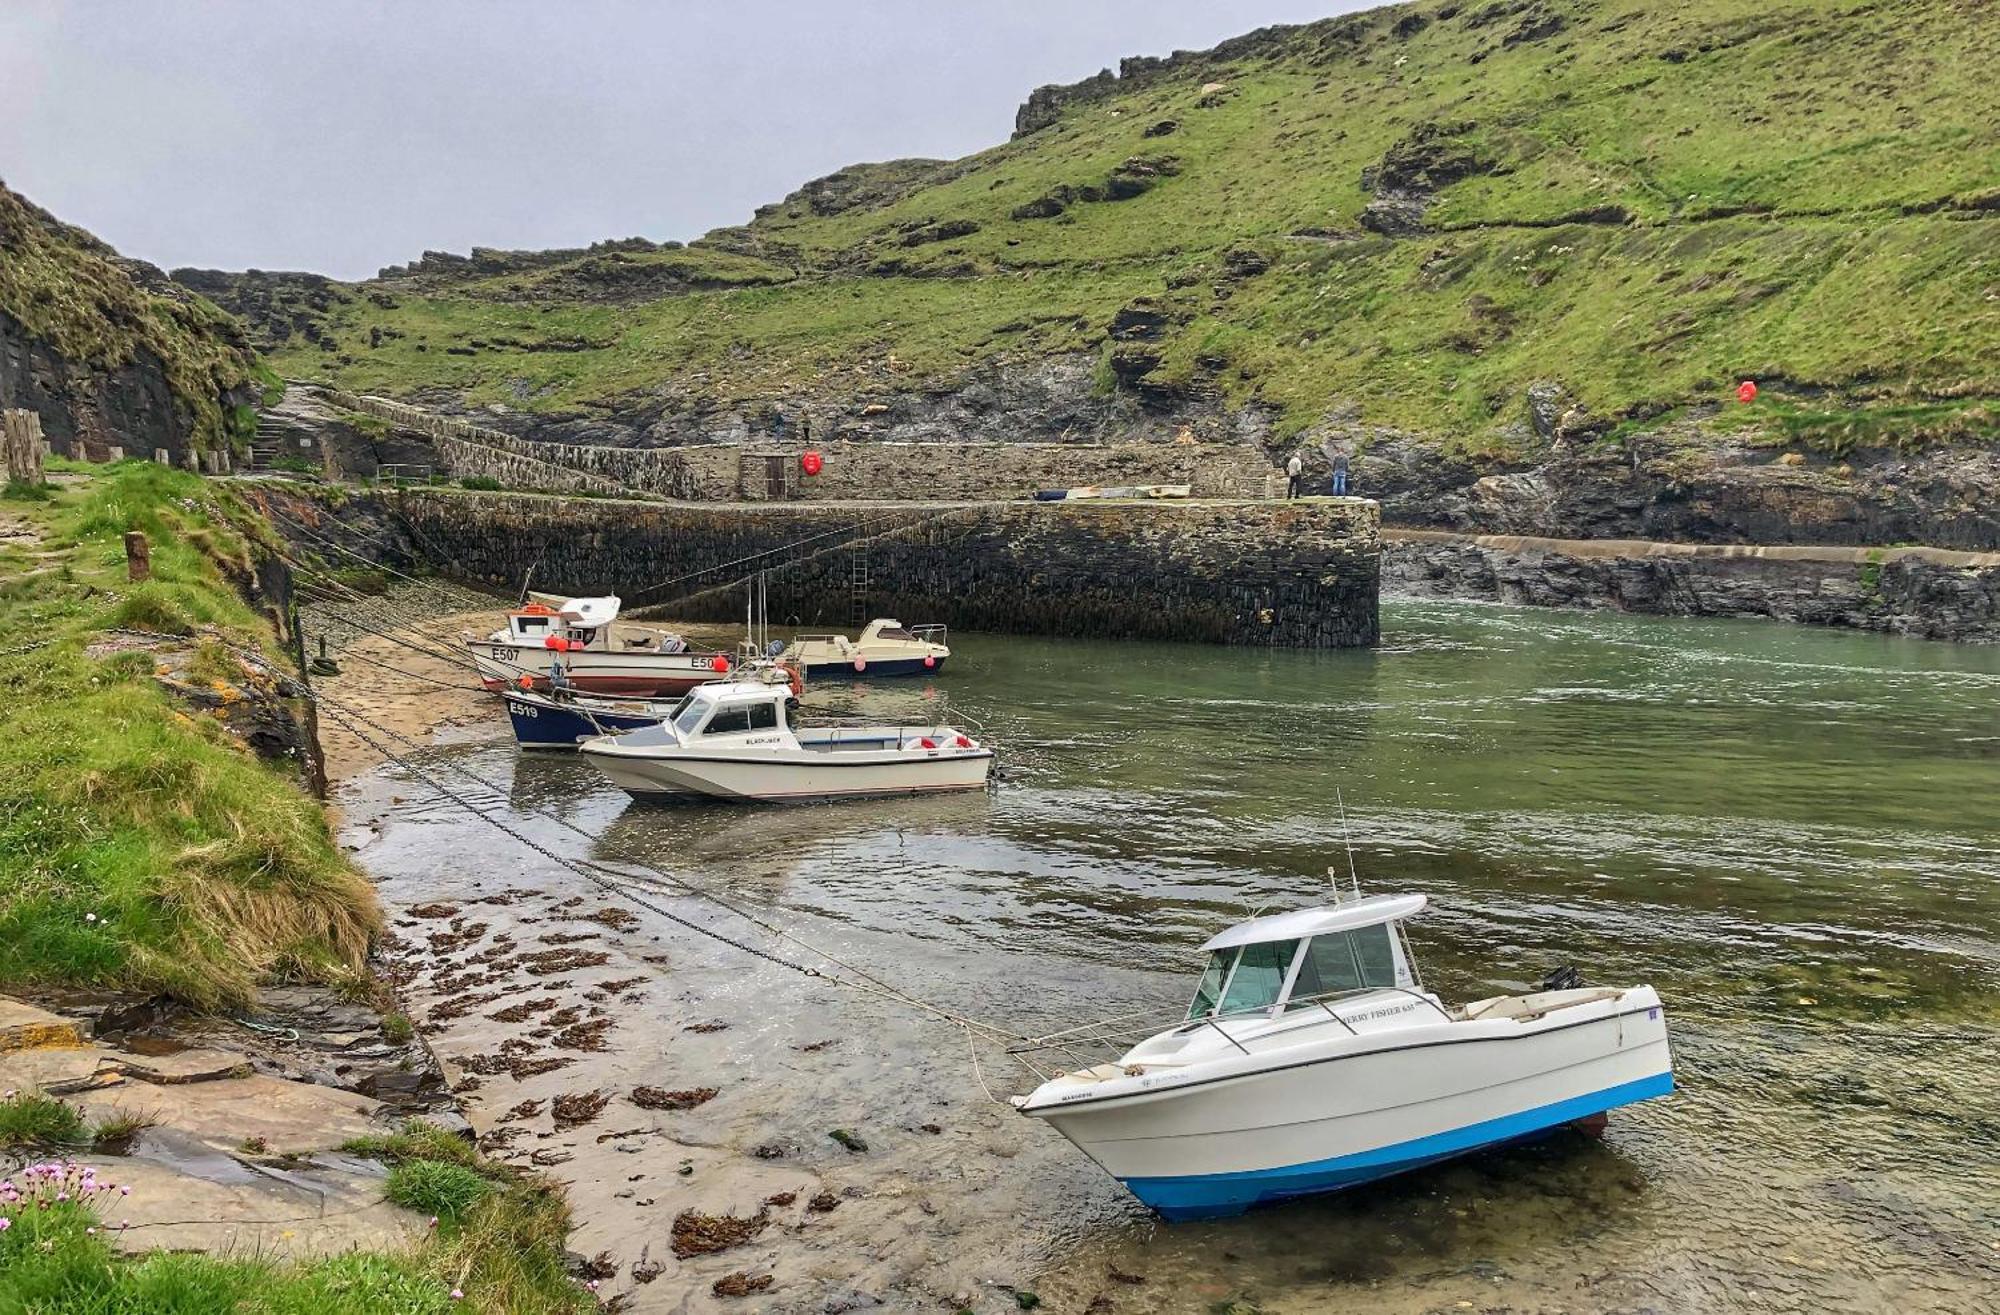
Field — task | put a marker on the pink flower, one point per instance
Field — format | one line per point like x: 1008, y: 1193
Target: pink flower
x: 125, y: 1191
x: 5, y: 1223
x: 457, y: 1294
x: 434, y: 1221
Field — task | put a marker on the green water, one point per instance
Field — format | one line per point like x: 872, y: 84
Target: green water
x: 1793, y: 834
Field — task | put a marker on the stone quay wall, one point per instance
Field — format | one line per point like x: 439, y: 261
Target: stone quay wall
x: 1282, y: 574
x: 1926, y: 593
x: 852, y: 470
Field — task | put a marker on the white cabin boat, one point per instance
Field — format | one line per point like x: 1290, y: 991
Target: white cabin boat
x: 1313, y: 1059
x: 599, y: 653
x: 735, y: 740
x: 886, y: 648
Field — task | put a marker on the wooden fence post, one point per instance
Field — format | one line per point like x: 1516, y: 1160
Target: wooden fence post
x: 21, y: 435
x: 138, y: 556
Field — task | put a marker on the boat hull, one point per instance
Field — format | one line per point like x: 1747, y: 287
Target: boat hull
x: 542, y: 724
x: 877, y: 667
x: 1352, y: 1115
x: 642, y: 675
x: 794, y: 776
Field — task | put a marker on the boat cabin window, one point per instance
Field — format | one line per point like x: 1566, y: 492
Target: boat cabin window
x: 1346, y: 961
x: 1248, y: 979
x: 893, y: 632
x: 523, y: 624
x: 583, y: 636
x: 763, y: 716
x: 729, y: 721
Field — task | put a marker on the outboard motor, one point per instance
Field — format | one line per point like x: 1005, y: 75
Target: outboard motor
x: 1564, y: 978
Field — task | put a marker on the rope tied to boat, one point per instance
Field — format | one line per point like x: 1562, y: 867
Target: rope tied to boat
x: 620, y: 884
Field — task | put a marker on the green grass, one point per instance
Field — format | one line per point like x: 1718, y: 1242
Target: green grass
x: 1790, y: 221
x: 30, y: 1119
x: 433, y: 1187
x: 142, y: 847
x: 498, y: 1242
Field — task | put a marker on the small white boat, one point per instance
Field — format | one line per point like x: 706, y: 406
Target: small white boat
x: 1313, y: 1059
x: 600, y: 654
x: 886, y: 648
x: 735, y: 740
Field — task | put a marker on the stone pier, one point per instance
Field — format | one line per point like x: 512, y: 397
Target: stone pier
x: 1301, y: 574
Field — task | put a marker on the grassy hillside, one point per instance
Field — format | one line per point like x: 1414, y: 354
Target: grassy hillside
x: 1414, y: 212
x: 101, y: 313
x: 142, y: 846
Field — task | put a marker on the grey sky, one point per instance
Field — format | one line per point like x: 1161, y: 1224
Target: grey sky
x: 343, y: 135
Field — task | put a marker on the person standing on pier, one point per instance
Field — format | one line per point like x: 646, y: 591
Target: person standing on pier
x: 1295, y: 470
x: 1340, y: 472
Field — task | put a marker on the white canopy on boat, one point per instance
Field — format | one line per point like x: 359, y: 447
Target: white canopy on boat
x: 1301, y: 923
x: 590, y: 612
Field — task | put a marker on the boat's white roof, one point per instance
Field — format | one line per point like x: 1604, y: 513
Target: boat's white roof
x: 723, y: 689
x: 590, y: 611
x: 1301, y: 923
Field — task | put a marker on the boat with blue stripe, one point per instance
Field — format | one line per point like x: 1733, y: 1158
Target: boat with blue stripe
x: 1313, y: 1059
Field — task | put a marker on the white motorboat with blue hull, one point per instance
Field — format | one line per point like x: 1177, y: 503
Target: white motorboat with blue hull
x: 886, y: 648
x: 1313, y: 1060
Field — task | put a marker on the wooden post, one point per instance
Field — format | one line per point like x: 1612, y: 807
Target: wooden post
x: 21, y: 435
x: 138, y: 556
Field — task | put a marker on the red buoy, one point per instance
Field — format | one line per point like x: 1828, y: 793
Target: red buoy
x: 810, y: 462
x: 1746, y: 392
x: 930, y: 660
x: 861, y: 664
x: 718, y: 663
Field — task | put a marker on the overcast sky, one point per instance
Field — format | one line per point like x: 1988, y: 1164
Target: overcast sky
x: 343, y: 135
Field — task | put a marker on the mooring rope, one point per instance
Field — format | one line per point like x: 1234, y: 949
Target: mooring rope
x: 357, y: 724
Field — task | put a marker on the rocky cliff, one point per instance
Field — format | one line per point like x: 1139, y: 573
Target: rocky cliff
x: 110, y: 352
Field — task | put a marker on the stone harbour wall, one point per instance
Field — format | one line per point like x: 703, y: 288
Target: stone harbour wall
x: 852, y: 470
x: 1283, y: 574
x: 1927, y: 593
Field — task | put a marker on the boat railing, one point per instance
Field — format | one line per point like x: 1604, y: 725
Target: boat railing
x: 1122, y: 1031
x: 932, y: 633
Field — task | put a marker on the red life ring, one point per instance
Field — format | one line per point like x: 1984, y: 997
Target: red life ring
x: 927, y: 743
x: 795, y: 678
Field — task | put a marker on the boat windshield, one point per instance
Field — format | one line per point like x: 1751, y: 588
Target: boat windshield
x: 1248, y: 979
x: 687, y: 714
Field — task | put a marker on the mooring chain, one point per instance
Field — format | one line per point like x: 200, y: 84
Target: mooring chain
x: 867, y: 981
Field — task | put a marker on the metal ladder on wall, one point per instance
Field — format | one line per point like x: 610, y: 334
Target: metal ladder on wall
x: 857, y: 584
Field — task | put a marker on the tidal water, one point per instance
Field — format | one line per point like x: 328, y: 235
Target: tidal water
x: 1794, y: 834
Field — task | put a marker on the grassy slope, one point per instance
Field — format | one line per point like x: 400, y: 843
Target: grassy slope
x: 142, y: 847
x: 70, y: 289
x: 497, y: 1249
x: 1770, y: 169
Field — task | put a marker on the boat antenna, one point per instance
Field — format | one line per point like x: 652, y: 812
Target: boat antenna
x: 529, y: 578
x: 1348, y: 840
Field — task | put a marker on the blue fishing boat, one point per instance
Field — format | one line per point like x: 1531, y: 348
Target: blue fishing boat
x: 561, y: 720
